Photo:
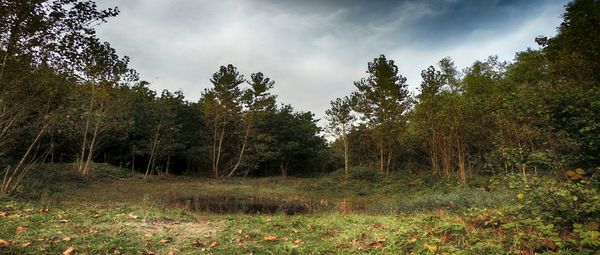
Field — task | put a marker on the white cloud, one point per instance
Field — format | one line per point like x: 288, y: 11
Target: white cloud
x: 314, y: 57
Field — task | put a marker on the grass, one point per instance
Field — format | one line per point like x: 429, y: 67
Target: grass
x: 108, y: 215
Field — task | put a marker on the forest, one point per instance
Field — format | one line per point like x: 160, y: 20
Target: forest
x: 500, y: 157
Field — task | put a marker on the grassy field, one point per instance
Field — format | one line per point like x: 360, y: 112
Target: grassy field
x: 119, y: 213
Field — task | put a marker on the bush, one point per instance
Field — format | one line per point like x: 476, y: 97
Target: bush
x: 561, y: 203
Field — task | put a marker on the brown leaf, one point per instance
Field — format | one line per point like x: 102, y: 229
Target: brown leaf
x: 2, y: 214
x: 5, y: 242
x: 570, y: 173
x: 165, y: 240
x: 149, y: 252
x: 379, y: 226
x: 69, y: 251
x: 213, y: 244
x: 25, y: 244
x: 66, y: 239
x: 298, y: 241
x: 270, y: 238
x: 549, y: 244
x: 198, y: 244
x: 45, y: 210
x: 22, y: 228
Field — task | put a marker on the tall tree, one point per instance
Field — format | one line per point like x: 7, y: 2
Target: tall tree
x: 256, y: 101
x: 383, y: 99
x: 222, y: 104
x: 341, y: 120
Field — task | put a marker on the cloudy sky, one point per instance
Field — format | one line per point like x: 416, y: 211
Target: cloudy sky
x: 315, y: 49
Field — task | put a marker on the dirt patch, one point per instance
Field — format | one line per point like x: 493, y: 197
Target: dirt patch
x: 186, y: 230
x: 245, y: 205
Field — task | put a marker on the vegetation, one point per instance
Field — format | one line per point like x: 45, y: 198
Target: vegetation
x: 501, y: 158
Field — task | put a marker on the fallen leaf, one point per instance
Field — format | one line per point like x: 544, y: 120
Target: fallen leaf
x: 149, y: 252
x: 298, y: 241
x: 240, y: 231
x: 213, y: 244
x: 270, y: 238
x: 295, y: 231
x: 68, y: 251
x: 173, y: 252
x: 165, y: 240
x: 55, y: 239
x: 5, y: 242
x: 133, y: 216
x: 22, y: 228
x: 66, y: 239
x: 63, y: 221
x: 25, y: 244
x: 198, y: 244
x: 431, y: 247
x: 45, y: 210
x: 2, y: 214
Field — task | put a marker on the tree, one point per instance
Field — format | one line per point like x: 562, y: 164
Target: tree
x: 256, y: 100
x: 382, y: 99
x: 574, y: 67
x: 221, y: 107
x: 341, y: 119
x: 53, y: 32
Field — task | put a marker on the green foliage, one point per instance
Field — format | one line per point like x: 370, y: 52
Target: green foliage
x: 562, y: 203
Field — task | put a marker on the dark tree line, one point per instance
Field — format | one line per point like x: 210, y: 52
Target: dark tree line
x: 539, y: 113
x: 66, y: 96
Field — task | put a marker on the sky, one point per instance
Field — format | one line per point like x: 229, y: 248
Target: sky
x: 316, y: 49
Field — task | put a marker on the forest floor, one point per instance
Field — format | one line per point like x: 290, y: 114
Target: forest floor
x: 177, y: 215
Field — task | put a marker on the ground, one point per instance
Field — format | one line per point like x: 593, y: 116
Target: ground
x: 161, y: 215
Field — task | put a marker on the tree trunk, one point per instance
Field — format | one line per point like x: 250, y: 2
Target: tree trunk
x: 239, y: 161
x: 381, y: 156
x: 222, y: 136
x: 346, y: 156
x: 284, y: 168
x: 19, y: 171
x: 150, y: 166
x: 92, y: 145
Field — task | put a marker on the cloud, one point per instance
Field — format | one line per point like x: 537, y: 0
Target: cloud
x: 314, y: 50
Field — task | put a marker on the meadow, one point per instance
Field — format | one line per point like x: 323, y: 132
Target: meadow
x: 118, y: 212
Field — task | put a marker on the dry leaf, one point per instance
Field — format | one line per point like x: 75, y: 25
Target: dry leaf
x: 240, y: 231
x: 133, y: 216
x: 213, y: 244
x: 431, y: 247
x: 69, y: 251
x: 298, y: 241
x: 45, y: 210
x: 270, y: 238
x: 149, y: 252
x: 198, y: 244
x: 2, y: 214
x: 66, y: 239
x: 25, y: 244
x: 5, y: 242
x: 173, y: 252
x: 22, y: 228
x: 295, y: 231
x: 165, y: 240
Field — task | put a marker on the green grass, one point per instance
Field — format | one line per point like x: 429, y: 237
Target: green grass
x: 108, y: 215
